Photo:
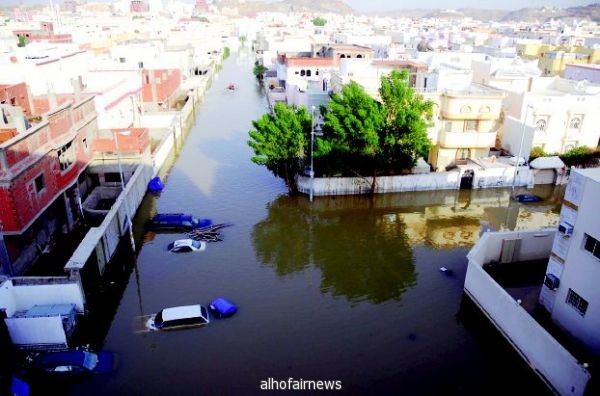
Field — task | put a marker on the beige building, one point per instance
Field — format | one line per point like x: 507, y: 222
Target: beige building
x: 466, y: 124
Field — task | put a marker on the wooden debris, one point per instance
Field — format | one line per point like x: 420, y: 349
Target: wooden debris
x: 209, y: 233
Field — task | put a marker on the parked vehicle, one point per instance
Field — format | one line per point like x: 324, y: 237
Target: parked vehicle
x: 187, y: 245
x: 178, y: 221
x: 185, y: 316
x: 72, y: 363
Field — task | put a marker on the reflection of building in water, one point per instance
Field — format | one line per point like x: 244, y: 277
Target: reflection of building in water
x: 460, y: 224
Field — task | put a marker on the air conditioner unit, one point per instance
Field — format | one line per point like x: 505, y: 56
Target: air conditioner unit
x: 551, y: 281
x: 565, y: 228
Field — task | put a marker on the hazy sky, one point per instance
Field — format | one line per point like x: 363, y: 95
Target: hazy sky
x: 382, y: 5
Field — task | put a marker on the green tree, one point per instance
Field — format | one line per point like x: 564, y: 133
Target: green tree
x: 404, y: 137
x: 352, y: 125
x: 279, y: 141
x: 319, y: 21
x: 259, y: 71
x: 226, y: 53
x: 22, y: 41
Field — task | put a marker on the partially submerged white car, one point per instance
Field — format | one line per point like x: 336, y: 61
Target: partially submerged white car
x: 178, y: 318
x: 186, y: 245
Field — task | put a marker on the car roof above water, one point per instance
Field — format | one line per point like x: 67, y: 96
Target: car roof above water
x: 182, y: 312
x: 173, y: 216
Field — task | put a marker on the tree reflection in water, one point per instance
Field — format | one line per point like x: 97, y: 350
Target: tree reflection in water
x: 363, y: 253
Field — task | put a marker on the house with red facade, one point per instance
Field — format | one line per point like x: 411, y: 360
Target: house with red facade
x: 40, y: 165
x: 44, y: 33
x: 159, y: 88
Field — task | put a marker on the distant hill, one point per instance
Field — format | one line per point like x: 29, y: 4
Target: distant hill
x: 542, y: 14
x: 591, y: 11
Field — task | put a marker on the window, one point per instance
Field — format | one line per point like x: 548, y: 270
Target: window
x: 448, y: 126
x: 121, y: 60
x: 470, y: 125
x: 540, y: 125
x: 575, y: 300
x: 141, y: 65
x: 302, y: 73
x: 465, y: 109
x: 112, y: 178
x: 40, y: 183
x: 575, y: 123
x: 308, y: 73
x: 85, y: 144
x: 66, y: 156
x: 592, y: 245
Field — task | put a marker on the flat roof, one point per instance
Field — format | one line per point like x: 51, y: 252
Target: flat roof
x: 184, y: 311
x: 51, y: 310
x: 590, y: 173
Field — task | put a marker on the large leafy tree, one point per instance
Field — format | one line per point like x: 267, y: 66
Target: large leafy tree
x: 352, y: 122
x: 259, y: 71
x: 404, y: 137
x: 279, y: 141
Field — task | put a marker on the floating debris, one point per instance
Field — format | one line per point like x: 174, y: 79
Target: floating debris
x: 209, y: 233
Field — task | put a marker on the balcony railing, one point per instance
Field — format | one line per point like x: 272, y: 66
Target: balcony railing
x: 469, y: 139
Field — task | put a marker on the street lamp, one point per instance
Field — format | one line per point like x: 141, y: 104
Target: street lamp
x: 127, y: 213
x: 313, y: 132
x: 520, y: 149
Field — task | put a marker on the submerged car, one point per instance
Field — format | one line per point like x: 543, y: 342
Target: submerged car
x: 527, y: 198
x: 178, y: 221
x: 182, y: 317
x: 186, y: 245
x: 72, y: 363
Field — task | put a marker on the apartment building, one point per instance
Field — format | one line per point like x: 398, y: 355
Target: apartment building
x: 570, y: 291
x: 41, y: 159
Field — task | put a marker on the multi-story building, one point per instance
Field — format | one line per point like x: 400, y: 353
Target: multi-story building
x: 368, y: 73
x: 40, y: 165
x: 139, y: 6
x: 159, y: 87
x: 570, y: 291
x: 45, y: 33
x: 466, y: 123
x: 564, y: 115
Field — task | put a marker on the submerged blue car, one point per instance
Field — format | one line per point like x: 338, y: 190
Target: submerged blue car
x: 73, y: 363
x: 527, y: 198
x: 178, y: 221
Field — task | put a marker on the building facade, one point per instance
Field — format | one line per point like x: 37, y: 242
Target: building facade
x: 570, y: 292
x: 39, y: 171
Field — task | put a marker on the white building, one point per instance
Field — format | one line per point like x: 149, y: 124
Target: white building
x: 513, y: 74
x: 570, y: 292
x: 563, y: 112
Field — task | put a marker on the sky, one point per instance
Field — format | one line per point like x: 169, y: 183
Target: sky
x: 385, y: 5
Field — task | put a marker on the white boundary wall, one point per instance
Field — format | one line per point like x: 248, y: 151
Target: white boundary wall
x: 546, y: 356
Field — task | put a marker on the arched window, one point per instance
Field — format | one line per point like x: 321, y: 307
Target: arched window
x: 342, y: 56
x: 302, y: 72
x: 484, y: 109
x: 359, y: 56
x: 569, y: 147
x: 575, y: 123
x: 465, y: 109
x: 308, y: 73
x: 540, y: 125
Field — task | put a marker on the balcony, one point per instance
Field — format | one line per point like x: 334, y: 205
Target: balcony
x: 470, y: 139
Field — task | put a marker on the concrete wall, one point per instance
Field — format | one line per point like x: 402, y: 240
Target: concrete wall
x: 549, y: 359
x: 23, y: 293
x: 484, y: 178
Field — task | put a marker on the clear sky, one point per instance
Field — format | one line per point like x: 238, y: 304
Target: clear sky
x: 383, y: 5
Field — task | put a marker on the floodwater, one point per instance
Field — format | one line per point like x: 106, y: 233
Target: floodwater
x: 344, y: 288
